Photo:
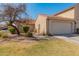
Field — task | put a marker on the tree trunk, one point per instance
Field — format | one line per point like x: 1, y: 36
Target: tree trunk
x: 18, y: 32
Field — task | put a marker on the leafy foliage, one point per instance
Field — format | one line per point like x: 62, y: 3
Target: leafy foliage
x: 12, y: 12
x: 25, y: 29
x: 12, y: 30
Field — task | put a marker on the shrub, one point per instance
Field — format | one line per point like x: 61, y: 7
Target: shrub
x: 12, y: 30
x: 25, y: 29
x: 29, y: 34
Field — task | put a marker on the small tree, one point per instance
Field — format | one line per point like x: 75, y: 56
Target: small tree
x: 12, y: 12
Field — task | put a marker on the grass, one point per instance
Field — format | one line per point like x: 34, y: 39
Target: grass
x: 52, y: 47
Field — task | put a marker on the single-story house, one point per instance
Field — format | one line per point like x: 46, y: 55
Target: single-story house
x: 64, y: 22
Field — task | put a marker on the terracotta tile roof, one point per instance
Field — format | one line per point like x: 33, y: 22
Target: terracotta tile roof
x: 29, y: 22
x: 43, y: 15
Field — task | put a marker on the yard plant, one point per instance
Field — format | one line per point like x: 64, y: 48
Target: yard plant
x: 12, y: 12
x: 25, y: 28
x: 12, y: 30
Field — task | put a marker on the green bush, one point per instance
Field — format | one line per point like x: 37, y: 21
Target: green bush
x: 12, y: 30
x: 25, y: 29
x: 29, y: 34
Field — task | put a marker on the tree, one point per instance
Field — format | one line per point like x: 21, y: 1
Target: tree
x: 12, y: 12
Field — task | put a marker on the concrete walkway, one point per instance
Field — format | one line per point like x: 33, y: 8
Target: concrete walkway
x: 42, y: 37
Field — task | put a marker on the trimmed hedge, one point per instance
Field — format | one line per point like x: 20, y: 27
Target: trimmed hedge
x: 25, y: 29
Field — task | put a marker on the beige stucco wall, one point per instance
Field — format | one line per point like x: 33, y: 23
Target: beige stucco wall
x: 77, y: 15
x: 77, y: 25
x: 67, y: 14
x: 41, y: 20
x: 77, y: 11
x: 60, y: 27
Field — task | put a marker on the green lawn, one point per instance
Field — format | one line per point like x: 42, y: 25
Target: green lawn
x: 43, y: 47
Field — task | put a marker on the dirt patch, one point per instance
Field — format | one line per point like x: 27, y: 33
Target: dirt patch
x: 18, y: 39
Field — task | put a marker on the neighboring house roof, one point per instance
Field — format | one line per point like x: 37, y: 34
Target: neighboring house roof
x: 43, y: 14
x: 28, y: 22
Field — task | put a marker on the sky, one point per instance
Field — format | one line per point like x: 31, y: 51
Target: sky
x: 34, y: 9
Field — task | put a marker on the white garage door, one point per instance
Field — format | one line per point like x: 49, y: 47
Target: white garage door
x: 60, y: 28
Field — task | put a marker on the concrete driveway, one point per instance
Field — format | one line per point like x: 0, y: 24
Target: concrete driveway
x: 70, y: 38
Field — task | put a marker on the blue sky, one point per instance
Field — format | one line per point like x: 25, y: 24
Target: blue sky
x: 34, y: 9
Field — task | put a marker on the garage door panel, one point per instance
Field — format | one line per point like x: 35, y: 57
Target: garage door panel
x: 60, y: 28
